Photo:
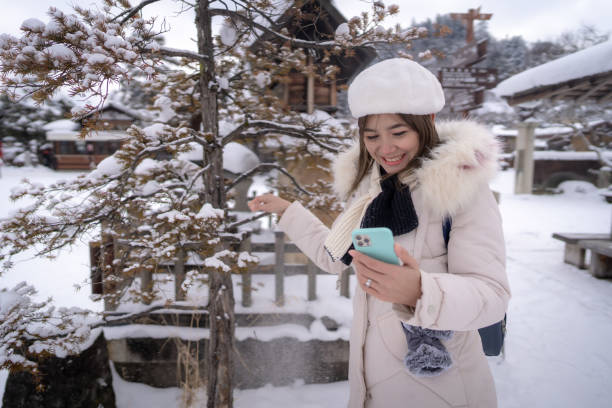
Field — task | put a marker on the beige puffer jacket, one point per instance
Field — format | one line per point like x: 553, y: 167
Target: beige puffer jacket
x: 464, y: 287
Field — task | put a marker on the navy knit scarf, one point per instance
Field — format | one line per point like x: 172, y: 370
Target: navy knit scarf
x: 392, y: 208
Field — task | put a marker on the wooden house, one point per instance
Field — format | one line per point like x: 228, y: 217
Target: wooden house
x: 317, y: 21
x: 72, y: 152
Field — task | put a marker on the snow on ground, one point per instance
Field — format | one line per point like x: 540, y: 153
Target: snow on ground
x: 558, y: 321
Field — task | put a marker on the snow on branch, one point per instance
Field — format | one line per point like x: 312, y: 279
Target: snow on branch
x: 174, y: 52
x: 29, y: 329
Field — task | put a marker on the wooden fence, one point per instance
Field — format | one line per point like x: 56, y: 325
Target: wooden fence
x: 279, y: 269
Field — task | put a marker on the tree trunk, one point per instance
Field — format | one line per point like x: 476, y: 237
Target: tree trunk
x: 221, y: 297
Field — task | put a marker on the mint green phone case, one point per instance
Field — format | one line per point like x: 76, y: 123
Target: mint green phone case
x: 375, y: 243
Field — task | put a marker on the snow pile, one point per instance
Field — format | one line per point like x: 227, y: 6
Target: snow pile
x: 166, y: 113
x: 228, y: 33
x: 343, y: 32
x: 590, y: 61
x: 61, y: 53
x: 263, y: 79
x: 154, y: 131
x: 208, y: 211
x: 238, y: 158
x: 33, y: 24
x: 577, y: 188
x: 108, y: 167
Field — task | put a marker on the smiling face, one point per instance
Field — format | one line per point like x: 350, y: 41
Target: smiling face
x: 390, y: 141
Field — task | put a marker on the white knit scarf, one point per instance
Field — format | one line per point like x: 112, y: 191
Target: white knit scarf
x: 339, y: 239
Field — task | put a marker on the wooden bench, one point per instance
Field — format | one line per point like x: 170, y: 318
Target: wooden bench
x: 607, y: 195
x: 574, y: 250
x: 601, y: 257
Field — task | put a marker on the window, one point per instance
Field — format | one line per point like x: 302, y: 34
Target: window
x: 66, y: 148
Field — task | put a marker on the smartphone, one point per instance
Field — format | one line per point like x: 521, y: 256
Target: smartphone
x: 376, y: 243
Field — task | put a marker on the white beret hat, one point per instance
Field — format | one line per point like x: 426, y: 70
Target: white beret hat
x: 396, y: 85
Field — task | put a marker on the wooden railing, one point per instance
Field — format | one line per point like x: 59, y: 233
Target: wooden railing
x: 279, y: 269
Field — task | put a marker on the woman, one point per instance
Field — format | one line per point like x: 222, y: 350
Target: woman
x: 410, y: 175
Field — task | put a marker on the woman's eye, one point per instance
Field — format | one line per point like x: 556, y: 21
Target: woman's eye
x: 371, y: 137
x: 399, y: 133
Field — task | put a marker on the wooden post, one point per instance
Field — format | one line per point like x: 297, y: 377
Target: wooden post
x: 312, y: 280
x: 245, y: 246
x: 344, y: 283
x: 146, y: 282
x: 179, y: 275
x: 310, y: 85
x: 333, y: 94
x: 96, y: 265
x: 287, y: 83
x: 109, y: 252
x: 279, y: 270
x: 523, y: 161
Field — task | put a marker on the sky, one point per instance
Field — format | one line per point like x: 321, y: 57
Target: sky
x: 534, y: 20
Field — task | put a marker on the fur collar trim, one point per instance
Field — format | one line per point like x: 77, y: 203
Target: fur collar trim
x: 450, y: 178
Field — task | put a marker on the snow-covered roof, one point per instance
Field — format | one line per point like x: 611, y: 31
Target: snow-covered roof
x: 72, y: 136
x: 131, y: 113
x: 584, y: 63
x: 502, y: 131
x: 62, y: 124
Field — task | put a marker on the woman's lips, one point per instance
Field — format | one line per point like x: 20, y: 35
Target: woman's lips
x: 393, y: 160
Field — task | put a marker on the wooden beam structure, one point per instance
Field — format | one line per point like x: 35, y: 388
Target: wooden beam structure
x: 468, y: 19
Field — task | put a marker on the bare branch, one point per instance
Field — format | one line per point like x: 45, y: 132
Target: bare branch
x: 266, y: 127
x: 246, y: 220
x: 133, y: 11
x: 234, y: 133
x: 267, y: 166
x: 174, y: 52
x: 323, y: 45
x: 598, y: 150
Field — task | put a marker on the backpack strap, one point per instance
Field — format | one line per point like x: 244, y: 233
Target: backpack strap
x: 446, y: 229
x: 492, y: 337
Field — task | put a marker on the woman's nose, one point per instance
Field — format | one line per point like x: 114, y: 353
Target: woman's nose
x: 387, y: 146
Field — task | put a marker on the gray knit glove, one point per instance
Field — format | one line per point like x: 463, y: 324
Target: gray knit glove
x: 426, y: 355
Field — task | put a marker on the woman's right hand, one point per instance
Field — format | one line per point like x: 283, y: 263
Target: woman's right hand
x: 269, y: 203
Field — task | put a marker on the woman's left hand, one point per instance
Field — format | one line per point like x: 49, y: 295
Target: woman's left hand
x: 389, y: 283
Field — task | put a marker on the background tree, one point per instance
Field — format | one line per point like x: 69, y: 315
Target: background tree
x: 150, y: 201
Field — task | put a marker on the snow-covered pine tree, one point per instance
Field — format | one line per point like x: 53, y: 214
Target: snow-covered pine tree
x: 153, y: 203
